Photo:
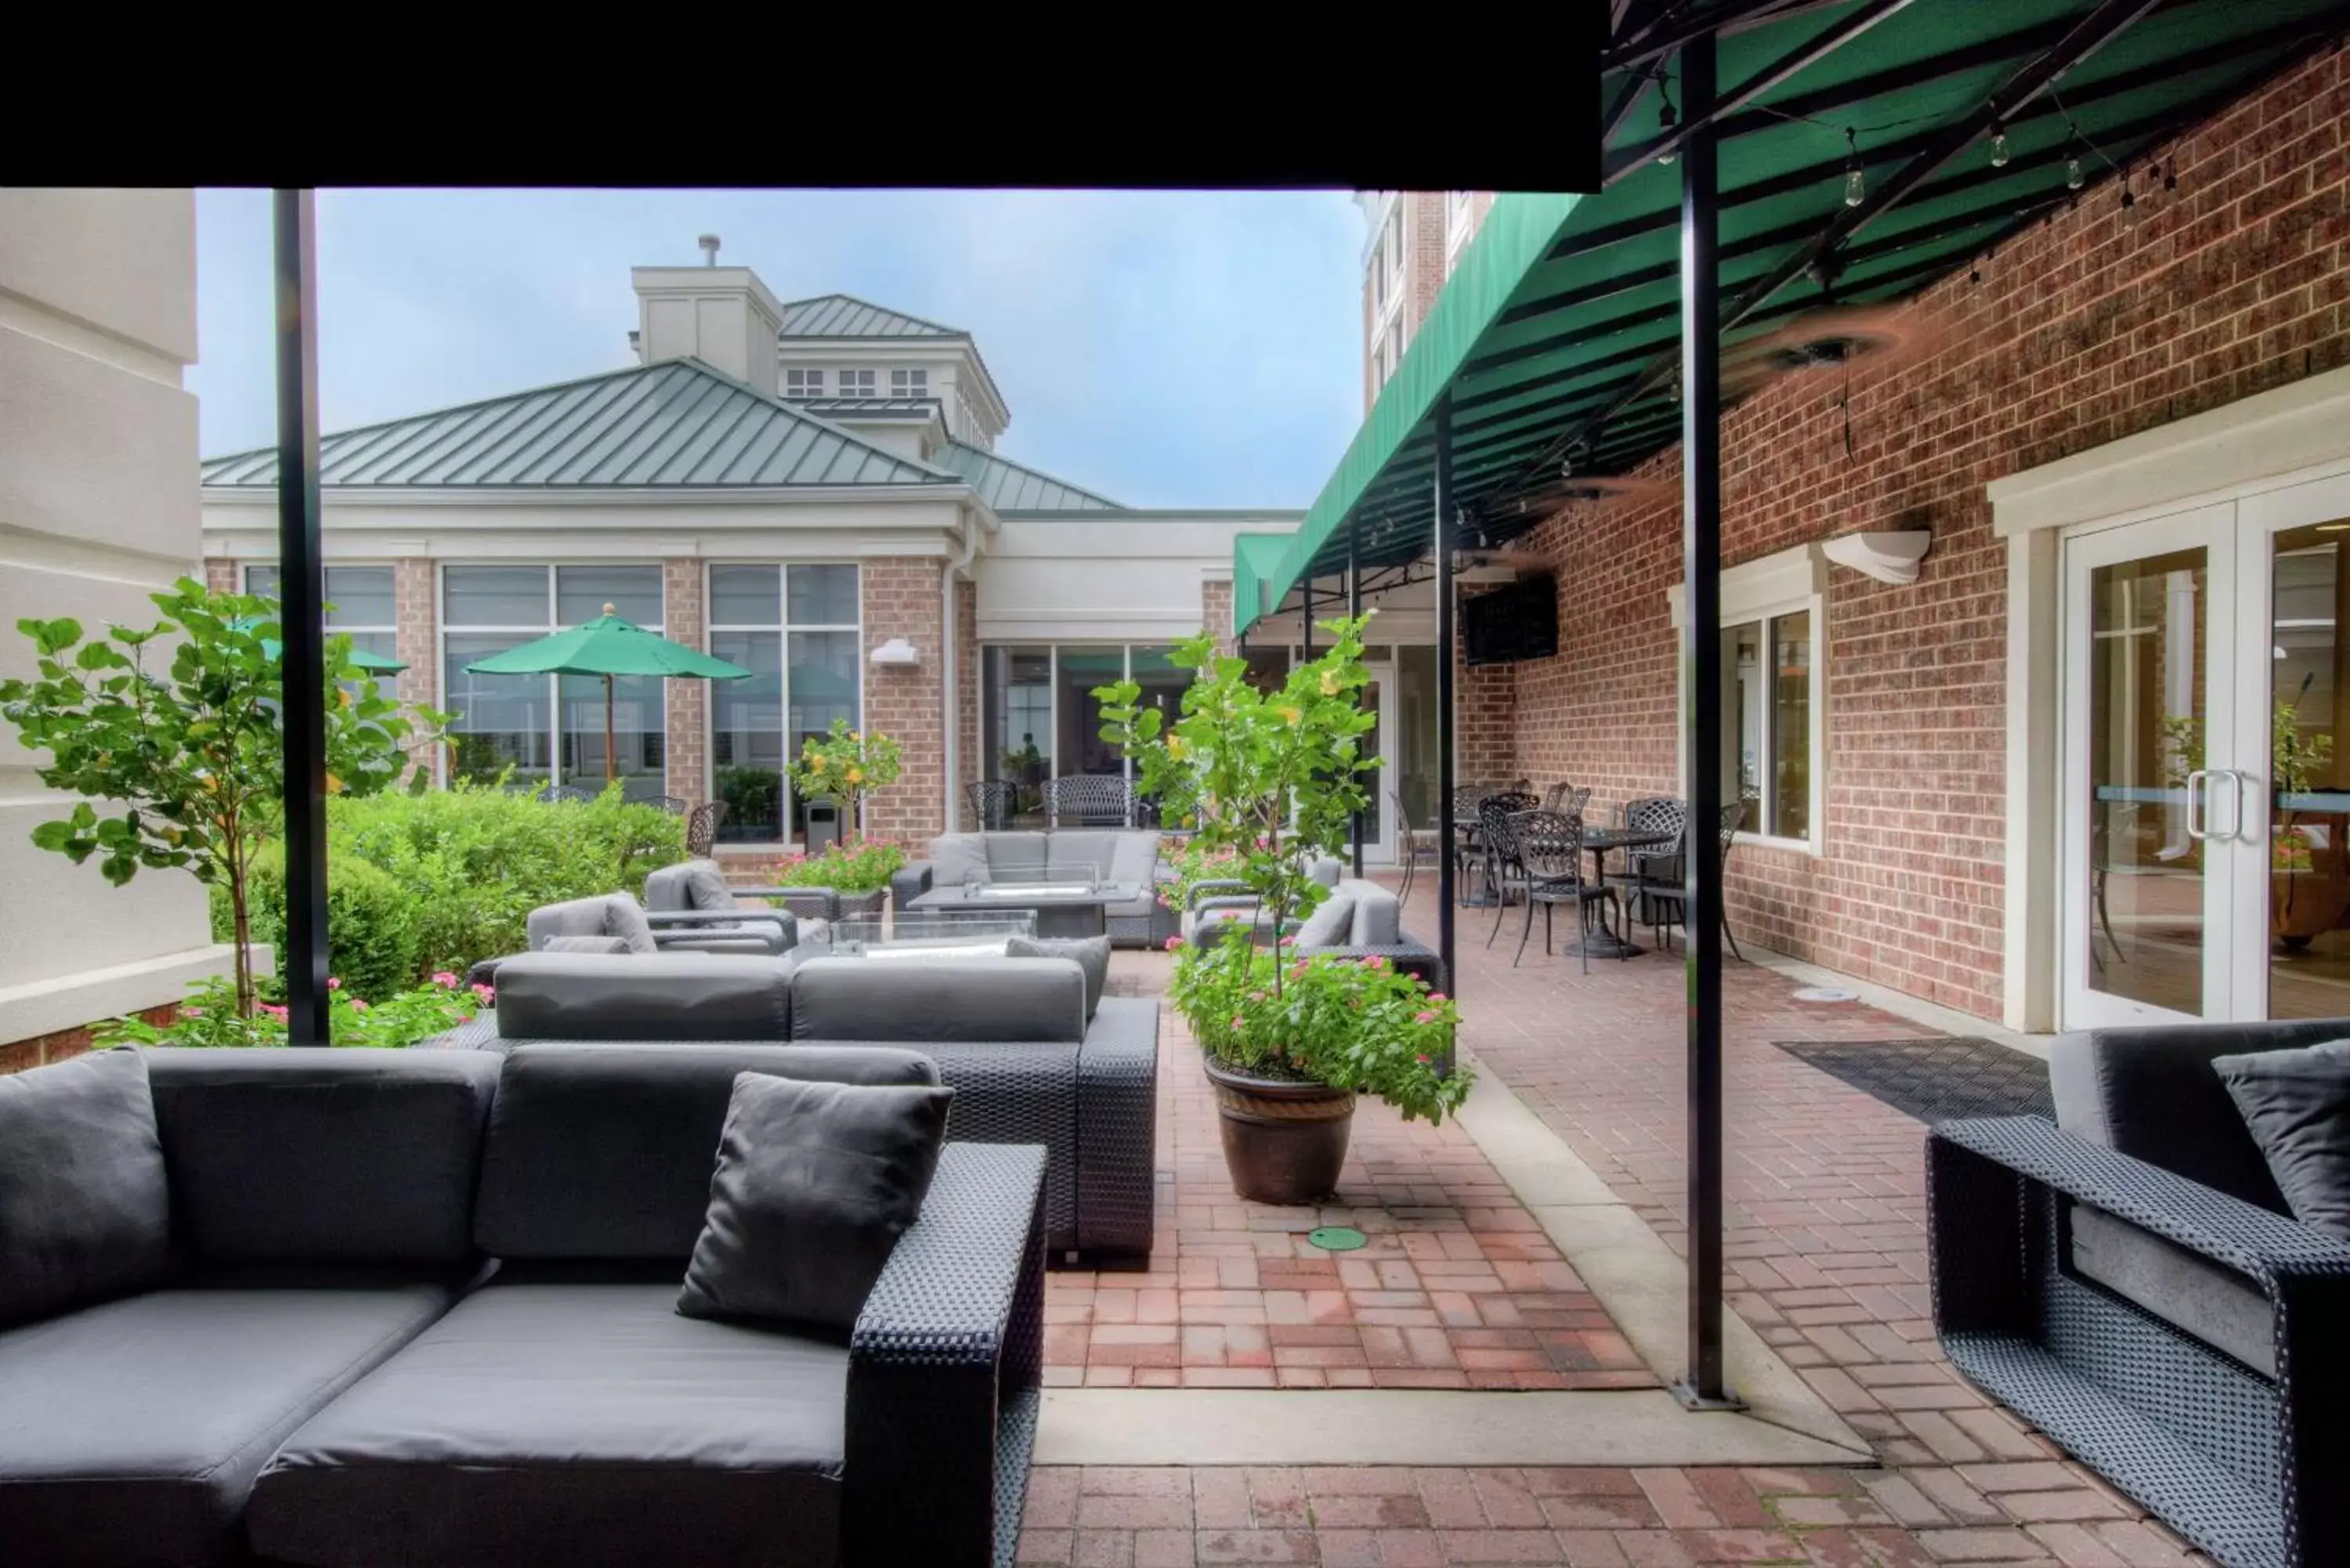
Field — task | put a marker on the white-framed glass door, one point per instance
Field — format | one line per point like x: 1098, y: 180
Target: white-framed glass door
x: 1379, y: 822
x: 2146, y: 869
x: 2206, y: 821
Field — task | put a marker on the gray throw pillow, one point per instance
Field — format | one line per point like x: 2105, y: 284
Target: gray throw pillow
x: 815, y: 1184
x: 624, y: 919
x: 1092, y: 954
x: 1331, y: 925
x: 2297, y: 1104
x: 705, y: 886
x: 586, y: 945
x: 85, y: 1209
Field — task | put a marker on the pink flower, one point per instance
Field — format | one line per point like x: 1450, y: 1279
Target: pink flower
x: 1173, y: 943
x: 1289, y: 940
x: 1256, y: 996
x: 358, y: 1006
x: 1298, y: 967
x: 1379, y: 962
x: 1238, y: 1026
x: 334, y: 984
x: 1423, y: 1018
x: 1423, y: 1061
x: 276, y: 1013
x: 1435, y: 996
x: 488, y: 993
x: 444, y: 979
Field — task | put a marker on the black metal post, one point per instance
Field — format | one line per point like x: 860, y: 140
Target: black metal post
x: 1440, y: 499
x: 301, y: 595
x: 1306, y: 614
x: 1355, y: 612
x: 1703, y: 1386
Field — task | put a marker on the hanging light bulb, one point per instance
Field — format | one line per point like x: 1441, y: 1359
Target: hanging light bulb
x: 1668, y: 120
x: 1855, y: 183
x: 1999, y: 149
x: 2170, y: 176
x: 2074, y: 178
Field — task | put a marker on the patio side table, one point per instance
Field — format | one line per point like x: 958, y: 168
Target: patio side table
x: 1604, y: 943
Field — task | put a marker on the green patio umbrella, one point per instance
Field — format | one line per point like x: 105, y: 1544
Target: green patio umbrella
x: 609, y: 647
x: 373, y: 663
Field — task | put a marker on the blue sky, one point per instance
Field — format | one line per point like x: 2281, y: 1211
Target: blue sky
x: 1166, y: 348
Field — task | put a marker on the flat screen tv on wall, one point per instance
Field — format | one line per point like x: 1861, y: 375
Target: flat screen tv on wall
x: 1508, y: 625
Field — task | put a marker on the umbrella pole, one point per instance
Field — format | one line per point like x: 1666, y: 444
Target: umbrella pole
x: 611, y: 757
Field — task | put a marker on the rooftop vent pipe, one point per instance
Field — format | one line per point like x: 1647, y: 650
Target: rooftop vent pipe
x: 709, y: 243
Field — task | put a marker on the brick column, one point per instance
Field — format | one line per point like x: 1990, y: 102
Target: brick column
x: 1216, y: 613
x: 906, y: 702
x: 416, y: 621
x: 220, y: 576
x: 969, y: 763
x: 686, y: 747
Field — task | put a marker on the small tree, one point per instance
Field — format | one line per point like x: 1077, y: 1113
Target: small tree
x: 846, y: 765
x: 188, y: 766
x: 1270, y: 778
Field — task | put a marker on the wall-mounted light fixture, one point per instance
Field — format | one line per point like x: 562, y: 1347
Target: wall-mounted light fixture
x: 896, y: 652
x: 1889, y: 556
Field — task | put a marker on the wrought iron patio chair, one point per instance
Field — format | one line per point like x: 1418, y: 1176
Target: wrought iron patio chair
x: 1416, y: 844
x: 675, y: 805
x: 1566, y: 799
x: 1090, y: 800
x: 1503, y: 868
x: 1652, y: 873
x: 994, y: 802
x: 701, y: 828
x: 1550, y: 845
x: 1467, y: 847
x: 557, y: 794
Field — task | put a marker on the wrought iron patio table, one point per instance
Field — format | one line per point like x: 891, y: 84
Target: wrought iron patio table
x: 1603, y: 942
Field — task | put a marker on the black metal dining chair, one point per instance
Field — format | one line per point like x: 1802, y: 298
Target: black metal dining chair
x: 1550, y: 846
x: 1090, y: 800
x: 675, y: 805
x: 1413, y: 843
x: 1566, y: 799
x: 701, y: 828
x: 994, y: 802
x: 1652, y: 876
x: 1503, y: 868
x: 567, y: 795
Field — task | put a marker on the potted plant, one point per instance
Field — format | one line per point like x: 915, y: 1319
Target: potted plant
x: 1268, y: 780
x: 845, y: 766
x: 858, y: 876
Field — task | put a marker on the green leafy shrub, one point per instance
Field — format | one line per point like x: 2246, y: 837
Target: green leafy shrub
x: 865, y: 869
x: 372, y: 926
x: 209, y: 1017
x: 472, y: 861
x: 753, y: 795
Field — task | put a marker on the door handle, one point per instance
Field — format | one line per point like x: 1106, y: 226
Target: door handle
x: 2239, y: 829
x: 2198, y: 783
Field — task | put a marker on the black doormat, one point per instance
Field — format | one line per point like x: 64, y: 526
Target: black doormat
x: 1935, y: 1080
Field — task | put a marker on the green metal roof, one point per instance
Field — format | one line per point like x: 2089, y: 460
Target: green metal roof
x: 676, y: 424
x: 868, y: 408
x: 1256, y: 567
x: 1008, y: 486
x: 1558, y: 333
x: 845, y: 315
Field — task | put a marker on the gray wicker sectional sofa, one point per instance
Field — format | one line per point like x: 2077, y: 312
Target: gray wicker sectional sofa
x: 1010, y: 1035
x: 1128, y: 856
x: 418, y: 1307
x: 2130, y: 1279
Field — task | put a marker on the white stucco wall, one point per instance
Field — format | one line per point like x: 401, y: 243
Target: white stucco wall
x: 1108, y: 576
x: 98, y: 508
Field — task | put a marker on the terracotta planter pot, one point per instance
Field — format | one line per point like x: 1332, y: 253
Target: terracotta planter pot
x: 1284, y: 1142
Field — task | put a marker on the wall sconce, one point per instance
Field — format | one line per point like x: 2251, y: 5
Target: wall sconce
x: 896, y: 652
x: 1889, y: 558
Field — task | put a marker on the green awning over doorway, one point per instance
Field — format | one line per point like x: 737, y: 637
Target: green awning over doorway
x: 1558, y: 334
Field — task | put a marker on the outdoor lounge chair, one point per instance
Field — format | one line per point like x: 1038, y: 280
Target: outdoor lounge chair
x: 2128, y: 1280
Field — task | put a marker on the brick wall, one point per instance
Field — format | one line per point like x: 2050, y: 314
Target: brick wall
x: 901, y: 599
x: 221, y: 576
x: 66, y: 1044
x: 1484, y: 723
x: 1423, y: 240
x: 1216, y: 613
x: 969, y: 763
x: 2088, y: 329
x: 686, y: 750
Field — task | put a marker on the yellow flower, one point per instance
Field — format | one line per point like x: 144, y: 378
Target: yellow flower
x: 334, y: 785
x: 1329, y: 683
x: 857, y: 775
x: 1176, y: 745
x: 856, y: 734
x: 816, y: 763
x: 1293, y: 716
x: 342, y: 696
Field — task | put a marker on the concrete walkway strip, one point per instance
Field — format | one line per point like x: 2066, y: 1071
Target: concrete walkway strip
x: 1639, y: 1279
x: 1404, y: 1426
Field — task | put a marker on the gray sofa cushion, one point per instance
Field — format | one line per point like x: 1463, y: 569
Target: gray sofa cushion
x: 1081, y: 852
x: 2151, y: 1094
x: 2297, y: 1104
x: 605, y: 1151
x: 1330, y: 925
x: 131, y: 1433
x: 688, y: 885
x: 815, y: 1184
x: 611, y: 915
x: 608, y: 945
x: 1091, y: 953
x: 1378, y: 917
x: 313, y: 1155
x: 85, y: 1206
x: 660, y: 996
x: 1014, y: 854
x: 915, y: 1001
x: 954, y: 856
x: 570, y: 1426
x: 2186, y: 1290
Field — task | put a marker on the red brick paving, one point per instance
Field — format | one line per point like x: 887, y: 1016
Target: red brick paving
x: 1825, y: 1188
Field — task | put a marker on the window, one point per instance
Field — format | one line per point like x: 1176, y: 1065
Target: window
x: 360, y: 601
x: 1039, y: 717
x: 804, y: 383
x: 1772, y: 616
x: 856, y: 383
x: 909, y: 383
x: 796, y: 629
x: 549, y: 727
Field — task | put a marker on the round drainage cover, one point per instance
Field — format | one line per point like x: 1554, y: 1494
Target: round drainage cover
x: 1827, y: 993
x: 1336, y: 1238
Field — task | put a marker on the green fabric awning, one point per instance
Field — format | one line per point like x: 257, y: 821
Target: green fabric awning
x: 1256, y: 564
x: 1557, y: 334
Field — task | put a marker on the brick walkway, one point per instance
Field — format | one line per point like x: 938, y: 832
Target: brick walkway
x: 1826, y: 1249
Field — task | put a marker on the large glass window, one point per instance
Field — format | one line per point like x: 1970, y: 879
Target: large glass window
x: 1081, y: 749
x: 548, y: 727
x: 361, y: 601
x: 1039, y: 719
x: 797, y: 628
x: 1768, y: 723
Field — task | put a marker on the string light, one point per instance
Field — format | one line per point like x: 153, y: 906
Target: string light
x: 1667, y: 119
x: 2074, y: 178
x: 1998, y: 149
x: 1855, y: 183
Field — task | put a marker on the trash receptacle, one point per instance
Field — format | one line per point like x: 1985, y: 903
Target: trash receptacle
x: 822, y: 826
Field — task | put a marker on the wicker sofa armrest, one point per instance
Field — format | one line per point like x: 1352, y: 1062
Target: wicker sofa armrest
x: 1118, y: 1129
x: 911, y: 881
x: 1413, y: 958
x: 943, y: 1369
x: 681, y: 926
x: 1220, y: 890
